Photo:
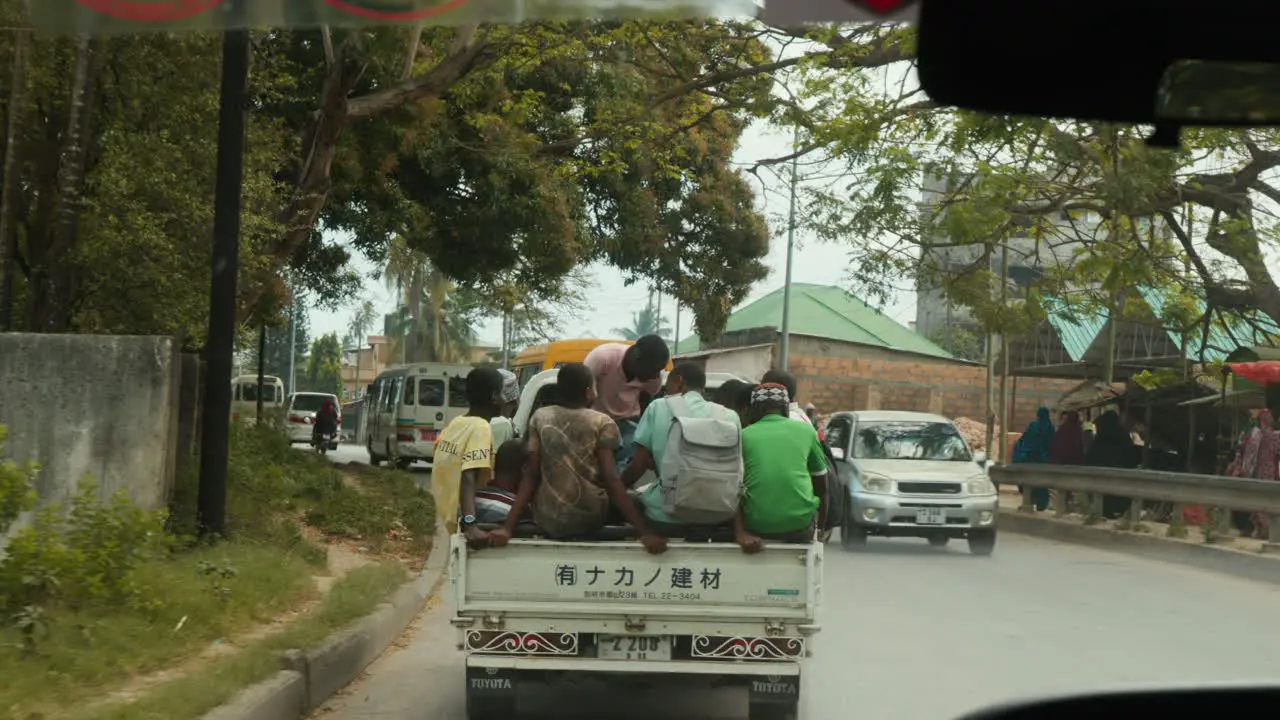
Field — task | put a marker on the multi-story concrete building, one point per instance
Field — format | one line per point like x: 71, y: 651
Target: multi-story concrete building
x: 1029, y: 257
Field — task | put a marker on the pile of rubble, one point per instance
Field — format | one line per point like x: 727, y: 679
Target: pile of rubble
x: 974, y: 432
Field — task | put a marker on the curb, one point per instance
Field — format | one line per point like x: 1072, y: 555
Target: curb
x: 1245, y: 565
x: 311, y: 677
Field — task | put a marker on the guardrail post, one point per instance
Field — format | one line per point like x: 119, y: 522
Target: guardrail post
x: 1092, y: 510
x: 1027, y: 505
x: 1060, y: 503
x: 1223, y: 526
x: 1273, y: 534
x: 1177, y: 528
x: 1133, y: 521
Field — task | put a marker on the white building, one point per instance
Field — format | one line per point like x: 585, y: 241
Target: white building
x: 1029, y: 257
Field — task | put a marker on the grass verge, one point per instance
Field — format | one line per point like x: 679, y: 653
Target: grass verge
x: 190, y: 696
x: 81, y: 653
x: 97, y: 597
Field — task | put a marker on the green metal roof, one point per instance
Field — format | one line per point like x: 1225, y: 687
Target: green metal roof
x: 827, y: 312
x: 1260, y: 330
x: 1079, y: 328
x: 1076, y: 327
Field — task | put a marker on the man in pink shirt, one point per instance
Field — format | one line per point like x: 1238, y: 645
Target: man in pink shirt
x: 627, y: 377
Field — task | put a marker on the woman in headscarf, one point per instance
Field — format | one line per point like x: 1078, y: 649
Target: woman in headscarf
x: 503, y: 428
x: 1112, y: 447
x: 1259, y: 455
x: 1068, y: 443
x: 1033, y: 447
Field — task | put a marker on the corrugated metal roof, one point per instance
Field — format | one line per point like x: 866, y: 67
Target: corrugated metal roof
x: 827, y: 312
x: 1077, y: 328
x: 1258, y: 330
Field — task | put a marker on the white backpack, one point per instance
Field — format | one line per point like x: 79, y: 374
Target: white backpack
x: 701, y: 479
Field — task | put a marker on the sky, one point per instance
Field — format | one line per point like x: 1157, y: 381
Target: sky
x: 612, y: 304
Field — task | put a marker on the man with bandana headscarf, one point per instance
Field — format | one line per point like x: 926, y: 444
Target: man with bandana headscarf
x: 503, y: 428
x: 784, y: 474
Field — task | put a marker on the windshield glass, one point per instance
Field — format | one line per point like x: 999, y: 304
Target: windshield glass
x: 909, y: 441
x: 309, y: 403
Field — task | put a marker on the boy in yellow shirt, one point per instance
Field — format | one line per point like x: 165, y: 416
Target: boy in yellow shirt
x: 464, y: 456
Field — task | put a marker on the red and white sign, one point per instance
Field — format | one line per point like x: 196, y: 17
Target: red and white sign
x: 797, y: 12
x: 151, y: 11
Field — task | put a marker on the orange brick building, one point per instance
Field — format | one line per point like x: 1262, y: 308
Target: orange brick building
x: 847, y: 355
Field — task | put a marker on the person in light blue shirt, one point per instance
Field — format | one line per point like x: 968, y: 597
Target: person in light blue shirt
x: 690, y: 381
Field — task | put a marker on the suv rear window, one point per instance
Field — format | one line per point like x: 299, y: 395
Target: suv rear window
x: 310, y: 403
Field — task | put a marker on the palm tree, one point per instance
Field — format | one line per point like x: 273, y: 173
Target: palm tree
x: 361, y: 323
x: 436, y: 329
x: 646, y: 322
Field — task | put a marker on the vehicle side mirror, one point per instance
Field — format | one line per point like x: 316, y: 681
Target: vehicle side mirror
x: 837, y: 453
x: 980, y: 457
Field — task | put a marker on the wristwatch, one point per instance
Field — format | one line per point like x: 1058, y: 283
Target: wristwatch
x: 468, y: 520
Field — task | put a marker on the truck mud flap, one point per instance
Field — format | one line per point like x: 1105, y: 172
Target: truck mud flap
x: 491, y: 683
x: 774, y: 690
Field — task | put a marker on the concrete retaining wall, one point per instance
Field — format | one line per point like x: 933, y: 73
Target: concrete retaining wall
x: 95, y: 406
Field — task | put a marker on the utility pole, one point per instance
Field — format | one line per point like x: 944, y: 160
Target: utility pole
x: 293, y: 341
x: 784, y: 352
x: 1005, y: 414
x: 211, y: 502
x: 506, y: 339
x: 262, y: 363
x: 657, y: 316
x: 676, y: 342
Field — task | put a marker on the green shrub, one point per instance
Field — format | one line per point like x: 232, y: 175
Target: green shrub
x: 84, y: 556
x: 17, y: 487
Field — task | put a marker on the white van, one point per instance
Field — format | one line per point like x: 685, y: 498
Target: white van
x: 244, y: 397
x: 408, y: 406
x: 303, y: 408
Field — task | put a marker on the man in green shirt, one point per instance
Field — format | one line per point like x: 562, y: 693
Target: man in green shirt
x: 689, y: 381
x: 784, y: 474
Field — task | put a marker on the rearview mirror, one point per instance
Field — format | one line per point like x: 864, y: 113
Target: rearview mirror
x: 1197, y: 91
x: 980, y: 457
x: 837, y: 453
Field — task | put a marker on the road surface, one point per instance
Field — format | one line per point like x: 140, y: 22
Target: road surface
x: 916, y: 633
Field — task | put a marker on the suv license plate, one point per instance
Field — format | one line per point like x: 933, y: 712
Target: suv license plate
x: 633, y: 647
x: 931, y: 516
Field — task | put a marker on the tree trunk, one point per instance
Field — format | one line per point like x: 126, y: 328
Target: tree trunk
x: 8, y: 198
x: 338, y: 109
x: 53, y: 287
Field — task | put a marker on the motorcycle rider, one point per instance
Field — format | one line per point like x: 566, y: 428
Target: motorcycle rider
x: 326, y: 422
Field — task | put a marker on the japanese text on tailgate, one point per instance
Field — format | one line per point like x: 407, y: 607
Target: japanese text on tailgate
x: 670, y: 587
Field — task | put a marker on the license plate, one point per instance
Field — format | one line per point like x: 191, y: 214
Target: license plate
x: 633, y: 647
x: 931, y: 516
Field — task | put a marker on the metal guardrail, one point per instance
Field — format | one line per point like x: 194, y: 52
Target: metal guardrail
x: 1148, y: 485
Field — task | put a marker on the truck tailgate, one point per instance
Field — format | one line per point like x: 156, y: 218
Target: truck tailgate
x: 613, y: 579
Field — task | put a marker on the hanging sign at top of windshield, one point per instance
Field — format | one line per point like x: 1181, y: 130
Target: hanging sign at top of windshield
x: 792, y: 12
x: 107, y: 16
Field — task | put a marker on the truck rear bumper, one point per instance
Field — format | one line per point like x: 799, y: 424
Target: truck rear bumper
x: 669, y: 667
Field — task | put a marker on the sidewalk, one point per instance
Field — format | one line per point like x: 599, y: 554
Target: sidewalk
x: 1010, y: 500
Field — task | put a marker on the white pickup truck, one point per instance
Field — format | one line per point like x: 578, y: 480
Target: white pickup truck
x: 538, y: 610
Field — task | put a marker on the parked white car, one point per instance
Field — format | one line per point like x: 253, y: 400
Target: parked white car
x: 303, y: 408
x: 911, y: 474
